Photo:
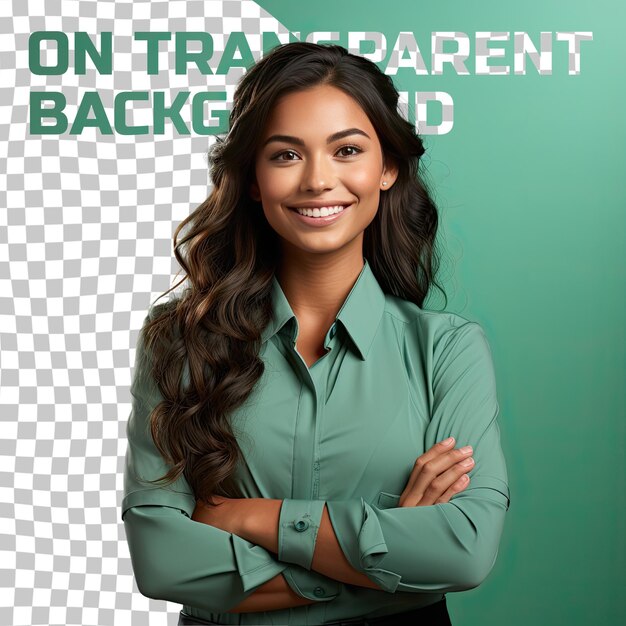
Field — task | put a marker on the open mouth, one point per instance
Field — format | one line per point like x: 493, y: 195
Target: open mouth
x: 320, y: 212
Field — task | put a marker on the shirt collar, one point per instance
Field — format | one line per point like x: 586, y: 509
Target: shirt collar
x: 360, y: 313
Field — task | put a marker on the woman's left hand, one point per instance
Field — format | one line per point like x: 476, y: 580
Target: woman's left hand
x: 223, y: 515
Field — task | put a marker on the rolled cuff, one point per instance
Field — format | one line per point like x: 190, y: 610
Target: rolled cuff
x: 177, y: 559
x: 311, y: 584
x: 298, y: 526
x: 255, y: 564
x: 182, y: 500
x: 361, y: 538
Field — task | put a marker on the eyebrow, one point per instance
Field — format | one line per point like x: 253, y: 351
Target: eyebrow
x: 334, y: 137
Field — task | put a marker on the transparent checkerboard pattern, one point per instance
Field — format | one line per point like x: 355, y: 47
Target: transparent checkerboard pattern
x: 86, y: 226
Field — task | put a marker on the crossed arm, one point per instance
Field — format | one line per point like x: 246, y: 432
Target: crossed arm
x: 447, y: 547
x: 257, y: 520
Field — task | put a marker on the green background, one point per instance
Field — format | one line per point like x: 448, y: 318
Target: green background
x: 530, y: 186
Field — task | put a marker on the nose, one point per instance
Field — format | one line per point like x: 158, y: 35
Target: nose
x: 318, y: 175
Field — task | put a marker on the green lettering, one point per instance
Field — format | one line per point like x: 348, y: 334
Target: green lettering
x: 120, y: 113
x: 34, y: 52
x: 103, y: 61
x: 153, y: 47
x: 184, y: 56
x: 37, y: 112
x: 91, y: 101
x: 173, y: 112
x: 236, y: 41
x: 197, y: 114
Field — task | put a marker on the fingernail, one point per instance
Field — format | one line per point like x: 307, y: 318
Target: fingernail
x: 466, y: 449
x: 448, y: 441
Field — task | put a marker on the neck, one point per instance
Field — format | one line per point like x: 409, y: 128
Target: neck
x: 316, y: 285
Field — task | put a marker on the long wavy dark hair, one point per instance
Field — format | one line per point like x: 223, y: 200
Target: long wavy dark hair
x: 204, y: 344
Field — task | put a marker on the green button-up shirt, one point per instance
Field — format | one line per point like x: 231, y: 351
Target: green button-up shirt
x: 346, y: 432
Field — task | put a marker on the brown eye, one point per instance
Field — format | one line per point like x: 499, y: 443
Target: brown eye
x: 277, y: 157
x: 350, y: 147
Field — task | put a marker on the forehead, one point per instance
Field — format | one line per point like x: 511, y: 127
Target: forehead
x: 314, y: 111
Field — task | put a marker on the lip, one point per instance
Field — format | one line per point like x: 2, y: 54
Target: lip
x: 318, y: 204
x: 319, y: 221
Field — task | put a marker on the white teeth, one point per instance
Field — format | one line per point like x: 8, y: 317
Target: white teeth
x: 322, y: 211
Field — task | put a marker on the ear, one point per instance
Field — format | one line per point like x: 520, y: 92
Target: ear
x: 389, y: 175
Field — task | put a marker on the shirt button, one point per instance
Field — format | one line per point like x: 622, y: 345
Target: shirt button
x: 301, y: 525
x: 319, y: 591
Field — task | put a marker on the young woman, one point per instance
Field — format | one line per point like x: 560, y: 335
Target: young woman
x: 291, y: 446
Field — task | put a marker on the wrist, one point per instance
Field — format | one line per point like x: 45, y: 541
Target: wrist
x: 245, y: 520
x: 258, y: 522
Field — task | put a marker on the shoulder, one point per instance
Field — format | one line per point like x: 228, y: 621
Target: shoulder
x: 430, y: 331
x: 162, y: 310
x: 158, y: 327
x: 160, y: 323
x: 444, y: 349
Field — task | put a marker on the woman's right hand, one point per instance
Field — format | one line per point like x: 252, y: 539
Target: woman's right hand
x: 437, y: 475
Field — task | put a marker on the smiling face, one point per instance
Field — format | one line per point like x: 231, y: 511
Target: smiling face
x: 319, y: 148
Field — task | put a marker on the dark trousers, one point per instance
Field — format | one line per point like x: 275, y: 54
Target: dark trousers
x: 432, y: 615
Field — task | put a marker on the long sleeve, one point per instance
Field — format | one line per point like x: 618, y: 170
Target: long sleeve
x: 180, y: 560
x: 175, y: 558
x: 449, y: 546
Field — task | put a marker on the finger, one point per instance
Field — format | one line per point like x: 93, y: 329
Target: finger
x: 446, y: 480
x: 456, y: 487
x: 439, y: 448
x: 426, y: 471
x: 432, y: 453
